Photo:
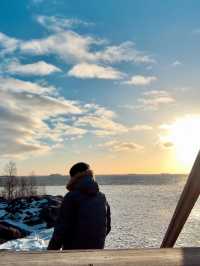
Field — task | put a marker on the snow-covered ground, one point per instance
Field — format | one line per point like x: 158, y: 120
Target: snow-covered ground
x: 38, y: 240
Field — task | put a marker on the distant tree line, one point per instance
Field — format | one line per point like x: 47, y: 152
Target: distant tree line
x: 14, y: 186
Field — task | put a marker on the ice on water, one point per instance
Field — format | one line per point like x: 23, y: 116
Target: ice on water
x: 38, y: 240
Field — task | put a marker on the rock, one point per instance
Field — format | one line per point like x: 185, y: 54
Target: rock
x: 8, y: 232
x: 32, y: 213
x: 54, y: 200
x: 49, y: 215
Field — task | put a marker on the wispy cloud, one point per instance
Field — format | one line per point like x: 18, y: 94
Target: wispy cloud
x: 40, y: 68
x: 176, y: 63
x: 71, y: 46
x: 140, y: 80
x: 55, y: 23
x: 7, y: 44
x: 125, y: 52
x: 85, y: 70
x: 153, y: 100
x: 121, y: 146
x: 101, y: 125
x: 19, y: 85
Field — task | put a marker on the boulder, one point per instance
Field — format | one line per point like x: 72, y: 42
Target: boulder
x: 50, y: 214
x: 9, y: 232
x: 33, y: 213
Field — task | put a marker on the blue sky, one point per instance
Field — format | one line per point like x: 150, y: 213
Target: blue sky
x: 107, y: 82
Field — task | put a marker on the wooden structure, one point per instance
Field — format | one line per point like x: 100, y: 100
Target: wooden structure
x: 186, y: 202
x: 164, y: 256
x: 134, y: 257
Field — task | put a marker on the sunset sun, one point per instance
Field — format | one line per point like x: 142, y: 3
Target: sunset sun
x: 184, y: 136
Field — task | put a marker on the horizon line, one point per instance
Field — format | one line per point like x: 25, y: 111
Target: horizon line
x: 57, y: 174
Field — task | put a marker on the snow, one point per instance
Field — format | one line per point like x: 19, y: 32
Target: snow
x: 38, y: 240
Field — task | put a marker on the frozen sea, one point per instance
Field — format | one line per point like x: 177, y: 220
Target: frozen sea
x: 140, y: 216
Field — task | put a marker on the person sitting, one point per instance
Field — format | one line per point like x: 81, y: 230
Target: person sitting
x: 84, y: 220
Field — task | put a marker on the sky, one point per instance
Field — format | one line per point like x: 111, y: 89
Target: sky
x: 113, y: 83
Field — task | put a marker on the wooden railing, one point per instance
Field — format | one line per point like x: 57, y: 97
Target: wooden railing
x: 185, y: 205
x: 134, y: 257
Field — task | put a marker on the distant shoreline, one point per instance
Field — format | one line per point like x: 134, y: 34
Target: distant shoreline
x: 129, y: 179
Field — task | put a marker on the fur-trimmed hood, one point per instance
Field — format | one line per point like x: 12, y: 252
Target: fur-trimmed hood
x: 83, y: 182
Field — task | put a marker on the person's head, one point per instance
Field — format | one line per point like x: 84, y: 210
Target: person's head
x: 78, y: 168
x: 77, y: 172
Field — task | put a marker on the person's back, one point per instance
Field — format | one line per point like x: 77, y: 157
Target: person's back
x: 84, y: 219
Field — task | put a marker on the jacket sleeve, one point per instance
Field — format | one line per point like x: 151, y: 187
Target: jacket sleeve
x: 63, y: 224
x: 108, y: 219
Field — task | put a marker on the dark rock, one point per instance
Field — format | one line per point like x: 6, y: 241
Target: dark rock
x: 49, y: 215
x: 33, y: 211
x: 9, y: 232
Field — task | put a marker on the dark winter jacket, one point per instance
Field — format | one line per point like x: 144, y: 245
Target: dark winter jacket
x: 84, y: 219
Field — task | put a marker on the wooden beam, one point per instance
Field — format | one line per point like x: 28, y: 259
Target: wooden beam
x: 185, y: 205
x: 137, y: 257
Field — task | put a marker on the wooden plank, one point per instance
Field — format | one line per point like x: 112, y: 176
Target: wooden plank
x: 185, y: 205
x: 139, y: 257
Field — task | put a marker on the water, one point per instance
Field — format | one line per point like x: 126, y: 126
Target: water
x: 141, y: 214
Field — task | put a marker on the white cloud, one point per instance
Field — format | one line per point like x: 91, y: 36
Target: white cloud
x: 17, y: 133
x: 35, y: 119
x: 126, y: 52
x: 61, y: 132
x: 100, y: 121
x: 85, y: 70
x: 153, y: 100
x: 7, y: 44
x: 25, y: 111
x: 120, y: 146
x: 140, y: 80
x: 43, y: 105
x: 176, y: 63
x: 101, y: 125
x: 55, y: 23
x: 73, y: 47
x: 68, y: 45
x: 40, y: 68
x: 107, y: 132
x: 157, y: 93
x: 21, y: 85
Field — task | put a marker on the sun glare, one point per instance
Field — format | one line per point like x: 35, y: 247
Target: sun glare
x: 184, y: 136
